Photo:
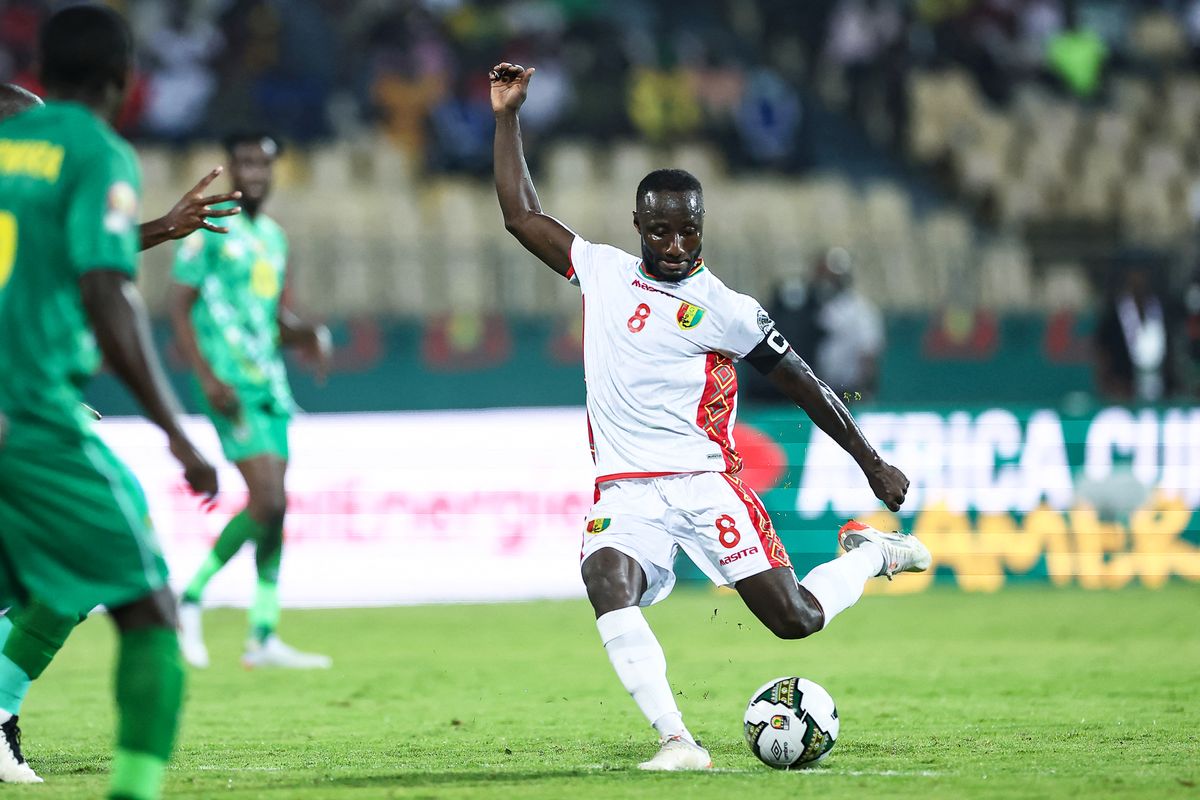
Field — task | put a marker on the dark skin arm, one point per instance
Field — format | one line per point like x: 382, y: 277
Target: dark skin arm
x: 122, y: 331
x: 192, y: 212
x: 219, y: 394
x: 539, y: 233
x: 795, y: 379
x: 310, y: 338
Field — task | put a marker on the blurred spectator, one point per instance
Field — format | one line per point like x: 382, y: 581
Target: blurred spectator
x: 1134, y: 339
x: 861, y: 33
x: 19, y: 23
x: 462, y: 126
x: 851, y: 329
x: 768, y: 122
x: 545, y: 107
x: 179, y: 54
x: 410, y: 72
x: 1077, y: 56
x: 831, y: 325
x: 662, y: 105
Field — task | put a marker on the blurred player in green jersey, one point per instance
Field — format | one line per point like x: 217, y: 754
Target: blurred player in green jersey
x: 230, y: 324
x: 74, y: 532
x: 35, y: 626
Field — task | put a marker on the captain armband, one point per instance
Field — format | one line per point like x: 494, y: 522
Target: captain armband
x: 769, y: 352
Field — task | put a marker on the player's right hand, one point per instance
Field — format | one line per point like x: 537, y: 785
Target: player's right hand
x: 200, y: 475
x: 888, y: 483
x: 510, y: 85
x: 194, y: 210
x: 221, y: 397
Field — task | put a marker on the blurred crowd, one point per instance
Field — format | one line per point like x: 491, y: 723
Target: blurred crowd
x: 1024, y: 113
x: 734, y: 73
x: 726, y: 72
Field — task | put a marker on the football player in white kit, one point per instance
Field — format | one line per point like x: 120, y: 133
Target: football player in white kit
x: 661, y: 333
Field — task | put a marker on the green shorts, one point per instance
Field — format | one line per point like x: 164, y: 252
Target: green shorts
x: 258, y: 429
x: 74, y: 528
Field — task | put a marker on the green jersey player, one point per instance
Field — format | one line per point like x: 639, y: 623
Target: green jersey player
x: 230, y: 324
x: 74, y: 532
x: 35, y: 628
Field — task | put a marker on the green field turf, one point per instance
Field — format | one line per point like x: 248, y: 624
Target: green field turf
x: 1026, y: 693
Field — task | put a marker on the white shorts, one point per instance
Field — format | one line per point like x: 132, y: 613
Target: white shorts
x: 715, y: 518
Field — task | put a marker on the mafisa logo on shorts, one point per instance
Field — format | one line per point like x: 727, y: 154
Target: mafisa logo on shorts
x: 740, y: 554
x: 598, y: 525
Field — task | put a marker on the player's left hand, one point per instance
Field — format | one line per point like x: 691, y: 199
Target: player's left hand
x: 888, y: 483
x: 318, y: 348
x: 193, y: 211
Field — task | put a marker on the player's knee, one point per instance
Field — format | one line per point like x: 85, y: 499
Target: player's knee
x: 269, y: 507
x: 796, y: 622
x: 610, y: 587
x: 155, y: 610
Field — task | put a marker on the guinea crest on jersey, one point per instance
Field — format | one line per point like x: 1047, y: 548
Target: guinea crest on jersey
x: 659, y: 363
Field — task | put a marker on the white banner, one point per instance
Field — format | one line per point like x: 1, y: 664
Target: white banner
x: 392, y: 508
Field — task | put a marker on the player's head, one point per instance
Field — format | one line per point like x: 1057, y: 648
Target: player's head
x: 87, y: 55
x: 252, y: 157
x: 14, y: 100
x: 834, y: 271
x: 670, y: 219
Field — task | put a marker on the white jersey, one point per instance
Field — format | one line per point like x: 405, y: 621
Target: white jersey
x: 658, y: 358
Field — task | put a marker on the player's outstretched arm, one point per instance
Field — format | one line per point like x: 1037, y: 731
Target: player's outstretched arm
x: 542, y: 235
x: 311, y: 338
x: 122, y: 331
x: 795, y: 378
x: 190, y: 214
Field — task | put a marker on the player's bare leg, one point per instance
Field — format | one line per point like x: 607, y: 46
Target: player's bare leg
x: 615, y: 584
x: 793, y: 609
x: 777, y: 599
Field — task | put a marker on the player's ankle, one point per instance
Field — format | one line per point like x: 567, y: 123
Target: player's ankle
x: 671, y: 724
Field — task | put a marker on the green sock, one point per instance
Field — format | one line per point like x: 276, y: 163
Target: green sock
x: 32, y: 636
x: 149, y: 696
x: 264, y: 614
x: 237, y: 532
x: 14, y: 683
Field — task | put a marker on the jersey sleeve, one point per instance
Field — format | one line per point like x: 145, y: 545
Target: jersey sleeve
x: 744, y: 325
x: 589, y: 260
x: 581, y: 260
x: 586, y: 259
x: 191, y: 257
x: 102, y: 212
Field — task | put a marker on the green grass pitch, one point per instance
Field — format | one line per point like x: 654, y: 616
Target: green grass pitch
x: 1031, y: 692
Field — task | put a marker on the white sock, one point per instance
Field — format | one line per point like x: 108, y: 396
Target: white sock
x: 639, y: 662
x: 838, y: 584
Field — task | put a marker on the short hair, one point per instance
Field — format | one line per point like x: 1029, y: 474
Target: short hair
x: 669, y: 180
x: 267, y: 141
x: 14, y: 100
x: 87, y: 47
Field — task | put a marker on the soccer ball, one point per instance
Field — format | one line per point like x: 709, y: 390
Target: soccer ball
x: 791, y: 723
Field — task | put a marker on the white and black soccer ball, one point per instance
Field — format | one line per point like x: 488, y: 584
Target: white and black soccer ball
x: 791, y: 723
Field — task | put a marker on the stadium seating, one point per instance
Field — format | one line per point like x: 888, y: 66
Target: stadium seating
x: 1043, y: 158
x: 370, y: 236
